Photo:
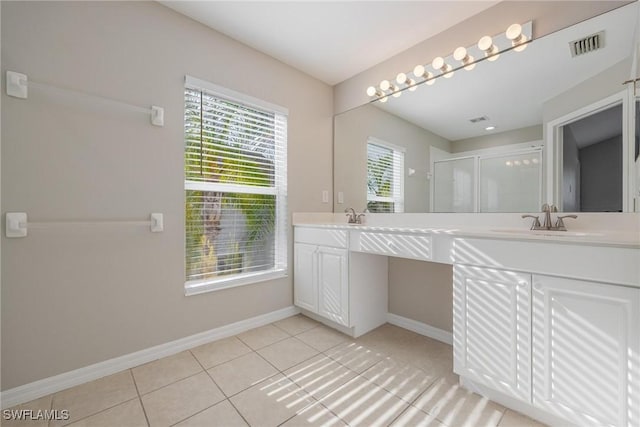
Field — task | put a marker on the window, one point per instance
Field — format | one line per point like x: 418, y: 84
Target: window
x: 235, y: 188
x: 385, y: 177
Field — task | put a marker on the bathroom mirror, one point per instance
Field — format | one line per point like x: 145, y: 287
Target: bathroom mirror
x: 482, y: 140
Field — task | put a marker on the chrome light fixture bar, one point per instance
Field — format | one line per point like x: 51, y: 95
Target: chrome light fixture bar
x: 488, y: 48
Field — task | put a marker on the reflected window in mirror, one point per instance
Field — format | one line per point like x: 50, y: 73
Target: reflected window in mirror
x: 385, y: 177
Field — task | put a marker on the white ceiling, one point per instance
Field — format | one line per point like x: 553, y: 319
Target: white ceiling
x: 330, y: 40
x: 511, y: 91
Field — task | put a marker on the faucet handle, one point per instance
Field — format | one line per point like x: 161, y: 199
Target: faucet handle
x: 560, y: 223
x: 536, y: 221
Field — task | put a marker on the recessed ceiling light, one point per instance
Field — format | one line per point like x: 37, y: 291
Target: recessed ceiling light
x: 490, y: 128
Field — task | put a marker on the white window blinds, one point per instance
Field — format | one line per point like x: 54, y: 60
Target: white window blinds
x: 235, y: 189
x: 385, y: 177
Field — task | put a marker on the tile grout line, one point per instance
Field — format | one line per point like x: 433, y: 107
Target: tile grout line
x: 135, y: 383
x: 99, y: 412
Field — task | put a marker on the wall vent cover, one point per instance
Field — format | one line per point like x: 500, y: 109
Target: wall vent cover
x: 587, y: 44
x: 479, y: 119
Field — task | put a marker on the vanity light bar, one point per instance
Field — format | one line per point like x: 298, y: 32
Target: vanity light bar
x: 517, y: 37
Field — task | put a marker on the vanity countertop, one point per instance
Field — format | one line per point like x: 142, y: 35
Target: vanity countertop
x: 615, y: 238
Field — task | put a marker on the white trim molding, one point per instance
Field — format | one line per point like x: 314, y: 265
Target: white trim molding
x: 37, y: 389
x: 421, y: 328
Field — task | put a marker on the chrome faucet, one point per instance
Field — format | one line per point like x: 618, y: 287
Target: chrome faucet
x: 546, y: 224
x: 354, y: 218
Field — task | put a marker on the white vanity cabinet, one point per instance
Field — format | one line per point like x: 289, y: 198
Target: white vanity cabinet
x: 586, y: 351
x: 321, y: 273
x: 532, y: 328
x: 492, y: 328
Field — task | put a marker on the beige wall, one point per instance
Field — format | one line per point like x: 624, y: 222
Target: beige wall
x: 73, y: 298
x: 351, y: 130
x: 602, y: 85
x: 422, y: 291
x: 516, y: 136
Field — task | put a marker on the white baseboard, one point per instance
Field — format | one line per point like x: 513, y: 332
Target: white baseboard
x: 37, y: 389
x: 421, y: 328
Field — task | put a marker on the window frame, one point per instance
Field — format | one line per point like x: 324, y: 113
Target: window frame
x: 279, y: 190
x: 398, y: 153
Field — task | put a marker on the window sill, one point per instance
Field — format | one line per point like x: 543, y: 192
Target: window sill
x: 212, y: 285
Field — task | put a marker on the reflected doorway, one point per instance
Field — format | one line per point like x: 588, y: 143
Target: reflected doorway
x: 592, y: 162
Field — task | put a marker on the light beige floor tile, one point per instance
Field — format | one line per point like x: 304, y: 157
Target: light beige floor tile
x: 241, y: 373
x: 217, y: 352
x: 362, y: 403
x: 159, y: 373
x: 263, y: 336
x: 322, y: 338
x: 128, y: 414
x: 42, y: 404
x: 287, y: 353
x: 95, y: 396
x: 355, y: 356
x: 454, y: 406
x: 315, y: 416
x: 180, y: 400
x: 295, y: 325
x: 222, y: 414
x: 403, y: 380
x: 414, y: 417
x: 320, y: 375
x: 271, y: 402
x: 516, y: 419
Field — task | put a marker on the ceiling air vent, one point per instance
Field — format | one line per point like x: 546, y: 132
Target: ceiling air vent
x: 479, y: 119
x: 587, y: 44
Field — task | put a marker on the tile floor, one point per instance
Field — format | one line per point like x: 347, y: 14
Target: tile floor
x: 294, y: 372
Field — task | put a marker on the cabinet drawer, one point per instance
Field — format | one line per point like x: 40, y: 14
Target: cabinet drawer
x: 321, y: 236
x: 393, y: 244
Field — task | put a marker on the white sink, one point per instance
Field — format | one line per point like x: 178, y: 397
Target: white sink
x: 547, y: 233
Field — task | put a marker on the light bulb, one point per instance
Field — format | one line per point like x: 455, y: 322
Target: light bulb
x: 460, y: 54
x: 401, y: 78
x: 517, y: 163
x: 385, y: 85
x: 419, y: 71
x: 526, y: 161
x: 430, y: 79
x: 514, y: 31
x: 439, y: 64
x: 372, y: 91
x: 384, y: 99
x: 490, y: 50
x: 521, y: 46
x: 490, y: 128
x: 397, y: 94
x: 535, y: 161
x: 508, y: 163
x: 518, y: 40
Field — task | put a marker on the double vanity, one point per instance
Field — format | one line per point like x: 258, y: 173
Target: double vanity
x: 544, y: 322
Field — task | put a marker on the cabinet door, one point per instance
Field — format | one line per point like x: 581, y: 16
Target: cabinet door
x: 305, y: 285
x: 492, y: 328
x: 586, y: 351
x: 333, y: 285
